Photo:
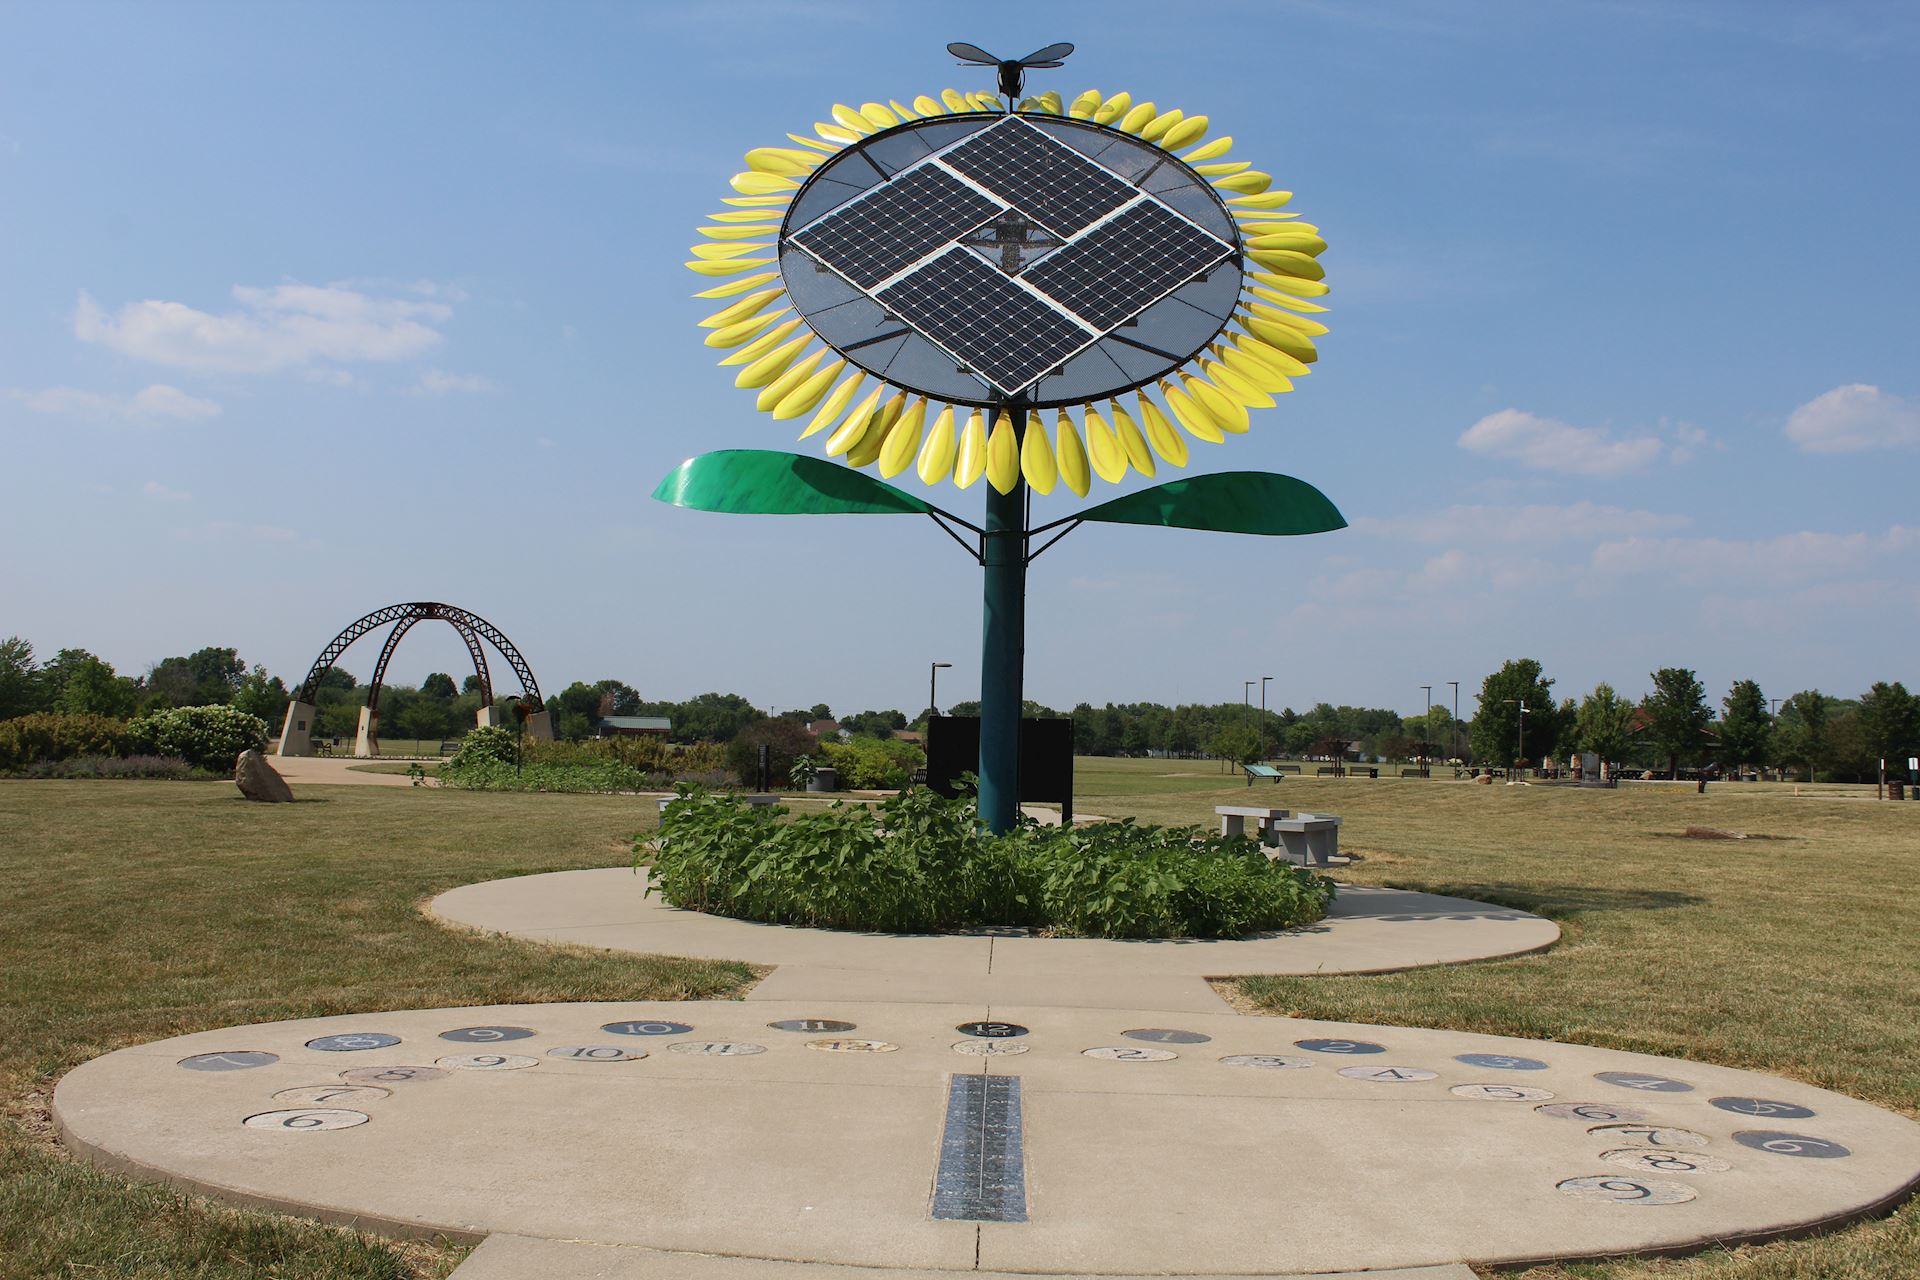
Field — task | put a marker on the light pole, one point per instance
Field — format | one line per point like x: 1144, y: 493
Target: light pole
x: 933, y: 690
x: 1453, y: 729
x: 1520, y: 736
x: 1426, y: 729
x: 1263, y: 716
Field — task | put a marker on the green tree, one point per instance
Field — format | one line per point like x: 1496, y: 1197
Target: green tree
x: 439, y: 684
x: 712, y: 717
x: 1605, y: 725
x: 1800, y: 733
x: 260, y: 694
x: 1746, y: 730
x: 83, y: 684
x: 22, y: 691
x: 1889, y: 724
x: 1678, y: 717
x: 1496, y: 732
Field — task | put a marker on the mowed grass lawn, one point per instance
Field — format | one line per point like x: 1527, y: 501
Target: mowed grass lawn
x: 139, y: 910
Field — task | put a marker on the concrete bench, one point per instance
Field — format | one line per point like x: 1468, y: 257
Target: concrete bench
x: 1310, y: 840
x: 1264, y: 771
x: 1233, y: 821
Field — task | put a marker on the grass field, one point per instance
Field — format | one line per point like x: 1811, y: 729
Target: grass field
x: 141, y: 910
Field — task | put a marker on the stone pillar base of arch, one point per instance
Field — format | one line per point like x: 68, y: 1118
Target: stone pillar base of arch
x: 490, y: 717
x: 296, y: 731
x: 366, y: 743
x: 540, y: 725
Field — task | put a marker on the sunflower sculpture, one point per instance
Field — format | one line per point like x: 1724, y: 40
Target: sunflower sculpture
x: 1051, y: 291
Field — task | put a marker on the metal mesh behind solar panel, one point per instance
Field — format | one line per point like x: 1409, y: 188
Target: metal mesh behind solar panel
x: 1051, y: 183
x: 1001, y: 331
x: 874, y: 237
x: 1125, y: 265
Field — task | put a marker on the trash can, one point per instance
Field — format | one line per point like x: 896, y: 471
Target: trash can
x: 824, y: 778
x: 1896, y: 790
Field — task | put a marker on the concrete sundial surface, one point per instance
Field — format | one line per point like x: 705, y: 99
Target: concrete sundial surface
x: 1018, y: 1133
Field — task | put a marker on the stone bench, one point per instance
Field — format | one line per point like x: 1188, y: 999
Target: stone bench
x: 1309, y: 840
x: 1233, y: 821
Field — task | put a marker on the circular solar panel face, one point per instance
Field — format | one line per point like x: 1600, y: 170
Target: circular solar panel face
x: 980, y: 258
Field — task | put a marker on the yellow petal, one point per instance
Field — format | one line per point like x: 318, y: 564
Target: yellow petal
x: 1227, y: 413
x: 732, y: 335
x: 744, y: 232
x: 1189, y: 130
x: 936, y: 455
x: 1288, y: 263
x: 761, y: 184
x: 719, y: 252
x: 1264, y: 200
x: 757, y: 202
x: 1050, y: 101
x: 984, y: 101
x: 1109, y: 458
x: 874, y: 438
x: 903, y: 440
x: 848, y: 118
x: 1071, y: 454
x: 1256, y: 371
x: 1229, y: 381
x: 958, y: 105
x: 1036, y: 457
x: 1279, y: 299
x: 1299, y: 324
x: 1003, y: 456
x: 1296, y: 241
x: 1134, y: 444
x: 1252, y: 182
x: 734, y: 288
x: 929, y: 107
x: 763, y: 344
x: 728, y: 267
x: 752, y: 304
x: 771, y: 365
x: 1274, y: 358
x: 834, y: 405
x: 971, y: 462
x: 877, y: 115
x: 769, y: 216
x: 1221, y: 168
x: 1136, y: 119
x: 1291, y: 341
x: 1083, y: 107
x: 855, y: 424
x: 1166, y: 442
x: 1156, y: 128
x: 807, y: 393
x: 1291, y: 284
x: 1253, y: 226
x: 835, y: 133
x: 1190, y: 415
x: 815, y: 143
x: 1209, y: 150
x: 781, y: 387
x: 1113, y: 108
x: 782, y: 161
x: 905, y: 113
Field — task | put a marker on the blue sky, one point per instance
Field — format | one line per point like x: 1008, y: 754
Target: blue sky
x: 305, y: 309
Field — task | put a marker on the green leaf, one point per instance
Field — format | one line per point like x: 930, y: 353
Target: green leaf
x: 765, y: 483
x: 1227, y: 502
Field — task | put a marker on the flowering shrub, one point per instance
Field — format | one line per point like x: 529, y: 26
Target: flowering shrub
x: 207, y: 737
x: 46, y: 735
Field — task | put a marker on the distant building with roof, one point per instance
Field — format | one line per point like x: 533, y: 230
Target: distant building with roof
x: 633, y: 727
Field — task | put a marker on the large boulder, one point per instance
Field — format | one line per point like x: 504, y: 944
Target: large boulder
x: 257, y: 779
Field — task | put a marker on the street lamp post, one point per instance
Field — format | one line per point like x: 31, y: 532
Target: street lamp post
x: 933, y: 689
x: 1426, y: 729
x: 1520, y: 735
x: 1263, y: 716
x: 1453, y: 729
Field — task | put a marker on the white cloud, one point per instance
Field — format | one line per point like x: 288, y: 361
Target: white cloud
x: 1546, y: 445
x: 438, y: 382
x: 1785, y: 557
x: 1855, y: 417
x: 283, y: 327
x: 160, y: 493
x: 1523, y: 526
x: 151, y: 404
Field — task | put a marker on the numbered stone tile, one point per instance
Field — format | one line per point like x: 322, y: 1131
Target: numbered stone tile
x: 1126, y: 1053
x: 237, y: 1060
x: 991, y: 1030
x: 1389, y: 1075
x: 1649, y: 1135
x: 1598, y: 1111
x: 813, y: 1026
x: 1500, y: 1062
x: 486, y: 1062
x: 1339, y: 1046
x: 353, y: 1041
x: 1656, y: 1160
x: 717, y: 1048
x: 1763, y: 1107
x: 1649, y: 1191
x: 1166, y: 1035
x: 392, y: 1075
x: 852, y: 1046
x: 308, y: 1120
x: 596, y: 1053
x: 647, y: 1028
x: 1501, y: 1092
x: 486, y: 1035
x: 1267, y: 1061
x: 1644, y: 1083
x: 326, y: 1095
x: 990, y: 1048
x: 1791, y: 1144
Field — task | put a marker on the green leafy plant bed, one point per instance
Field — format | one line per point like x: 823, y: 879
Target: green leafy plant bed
x: 920, y: 863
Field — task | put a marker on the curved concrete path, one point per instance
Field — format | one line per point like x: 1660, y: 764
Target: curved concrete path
x: 617, y: 1139
x: 1368, y: 931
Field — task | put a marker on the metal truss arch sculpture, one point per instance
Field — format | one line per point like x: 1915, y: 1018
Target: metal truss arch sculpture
x: 296, y: 735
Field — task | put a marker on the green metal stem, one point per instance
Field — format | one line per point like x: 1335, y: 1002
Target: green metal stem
x: 1003, y: 654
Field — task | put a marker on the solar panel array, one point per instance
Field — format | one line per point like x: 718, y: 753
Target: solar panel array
x: 1124, y: 250
x: 980, y: 315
